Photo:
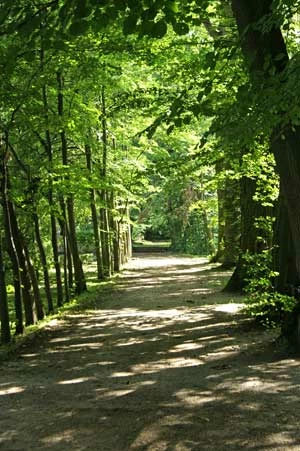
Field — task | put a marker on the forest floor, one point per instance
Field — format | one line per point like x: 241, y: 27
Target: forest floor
x: 162, y: 361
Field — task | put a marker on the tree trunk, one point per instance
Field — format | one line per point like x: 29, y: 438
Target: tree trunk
x: 28, y: 300
x: 11, y: 249
x: 265, y: 50
x: 218, y: 257
x: 249, y: 242
x: 105, y: 232
x: 98, y: 250
x: 232, y: 221
x: 80, y: 283
x: 64, y: 234
x: 284, y: 258
x: 4, y: 315
x: 43, y: 259
x: 34, y: 282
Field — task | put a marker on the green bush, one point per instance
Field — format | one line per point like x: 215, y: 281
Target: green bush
x: 263, y: 302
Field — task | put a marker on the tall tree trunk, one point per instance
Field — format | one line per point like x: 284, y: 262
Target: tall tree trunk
x: 105, y: 232
x: 64, y: 234
x: 47, y: 143
x: 232, y: 221
x: 288, y: 280
x: 4, y: 315
x: 218, y: 257
x: 10, y: 245
x: 265, y: 50
x: 249, y: 241
x: 44, y: 263
x: 105, y: 235
x: 95, y: 222
x: 34, y: 282
x: 28, y: 300
x: 48, y: 147
x: 80, y: 283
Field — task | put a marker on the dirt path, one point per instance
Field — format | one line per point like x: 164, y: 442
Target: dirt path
x: 160, y: 363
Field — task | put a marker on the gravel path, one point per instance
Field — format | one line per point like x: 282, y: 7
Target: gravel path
x: 161, y: 362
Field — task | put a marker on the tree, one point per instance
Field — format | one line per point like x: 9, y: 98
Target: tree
x: 266, y: 54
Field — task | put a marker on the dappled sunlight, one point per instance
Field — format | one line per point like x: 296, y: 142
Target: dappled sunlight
x: 229, y: 308
x: 79, y: 380
x: 11, y: 390
x: 66, y: 436
x: 160, y: 368
x: 194, y: 398
x: 163, y: 364
x: 187, y: 346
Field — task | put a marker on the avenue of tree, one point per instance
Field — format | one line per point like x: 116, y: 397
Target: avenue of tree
x: 178, y: 120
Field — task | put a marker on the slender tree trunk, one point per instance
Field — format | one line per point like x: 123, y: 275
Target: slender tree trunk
x: 11, y: 249
x: 4, y: 315
x: 54, y: 243
x: 105, y: 232
x: 28, y: 300
x: 208, y: 233
x: 116, y: 242
x: 218, y: 257
x: 80, y: 283
x: 98, y: 250
x: 44, y: 263
x: 63, y: 230
x: 34, y: 282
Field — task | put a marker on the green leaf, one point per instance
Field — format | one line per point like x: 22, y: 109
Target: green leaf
x: 210, y: 61
x: 129, y: 24
x: 82, y: 9
x: 159, y: 29
x: 79, y: 27
x: 180, y: 28
x: 30, y: 25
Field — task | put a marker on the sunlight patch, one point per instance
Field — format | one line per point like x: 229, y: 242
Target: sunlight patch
x: 164, y: 364
x: 116, y: 393
x: 66, y: 435
x: 229, y: 308
x: 186, y: 347
x: 79, y: 380
x: 193, y: 398
x: 11, y: 390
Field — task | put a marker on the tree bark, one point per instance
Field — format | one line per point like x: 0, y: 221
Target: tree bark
x: 249, y: 241
x: 44, y: 263
x: 11, y: 249
x: 265, y: 50
x: 28, y: 300
x: 105, y: 231
x: 80, y: 283
x: 95, y: 221
x: 4, y: 315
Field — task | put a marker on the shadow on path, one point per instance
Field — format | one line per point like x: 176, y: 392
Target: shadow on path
x: 159, y: 363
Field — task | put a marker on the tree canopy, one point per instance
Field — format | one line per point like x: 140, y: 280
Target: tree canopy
x: 174, y: 120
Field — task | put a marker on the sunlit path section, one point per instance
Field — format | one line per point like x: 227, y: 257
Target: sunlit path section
x: 164, y: 361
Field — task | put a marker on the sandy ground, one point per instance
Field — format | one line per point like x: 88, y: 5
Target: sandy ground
x: 162, y: 362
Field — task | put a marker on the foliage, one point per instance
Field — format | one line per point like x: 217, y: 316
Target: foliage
x: 263, y: 302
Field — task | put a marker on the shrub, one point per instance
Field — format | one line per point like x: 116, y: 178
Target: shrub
x: 263, y: 302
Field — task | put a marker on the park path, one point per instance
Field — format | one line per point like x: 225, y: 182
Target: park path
x: 161, y: 362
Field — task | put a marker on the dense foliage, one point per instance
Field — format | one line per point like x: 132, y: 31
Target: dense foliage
x: 177, y: 120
